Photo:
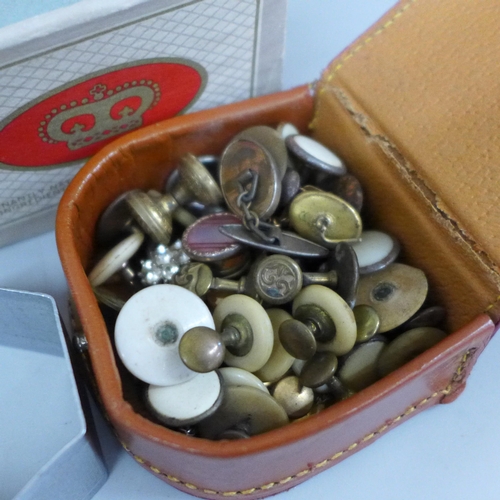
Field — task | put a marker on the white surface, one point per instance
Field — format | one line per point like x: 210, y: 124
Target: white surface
x: 149, y: 328
x: 186, y: 402
x: 45, y: 382
x: 374, y: 247
x: 447, y: 452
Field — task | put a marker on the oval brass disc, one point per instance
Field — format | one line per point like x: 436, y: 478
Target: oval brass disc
x: 258, y: 411
x: 406, y: 347
x: 324, y: 218
x: 243, y: 154
x: 396, y: 293
x: 358, y: 369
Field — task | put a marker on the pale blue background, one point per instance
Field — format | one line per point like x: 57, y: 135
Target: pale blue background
x: 13, y: 11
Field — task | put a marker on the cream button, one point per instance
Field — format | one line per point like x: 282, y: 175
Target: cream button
x: 148, y: 330
x: 237, y: 376
x: 280, y: 361
x: 338, y: 310
x: 359, y: 368
x: 186, y: 403
x: 285, y: 129
x: 262, y: 331
x: 114, y: 260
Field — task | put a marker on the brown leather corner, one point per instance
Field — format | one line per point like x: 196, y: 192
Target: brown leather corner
x: 423, y: 83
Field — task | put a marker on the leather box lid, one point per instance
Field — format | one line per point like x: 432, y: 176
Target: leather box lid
x: 424, y: 83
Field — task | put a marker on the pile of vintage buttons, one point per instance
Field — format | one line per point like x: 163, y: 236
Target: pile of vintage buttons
x: 243, y: 304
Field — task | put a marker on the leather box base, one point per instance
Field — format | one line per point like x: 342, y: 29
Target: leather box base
x: 266, y: 464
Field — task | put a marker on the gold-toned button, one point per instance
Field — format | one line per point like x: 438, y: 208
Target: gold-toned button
x: 319, y: 370
x: 258, y: 411
x: 367, y: 322
x: 324, y: 218
x: 396, y: 293
x: 408, y: 346
x: 295, y: 398
x: 358, y: 369
x: 195, y: 183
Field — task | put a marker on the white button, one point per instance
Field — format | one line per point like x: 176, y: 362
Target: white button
x: 186, y: 403
x: 375, y: 250
x: 148, y: 330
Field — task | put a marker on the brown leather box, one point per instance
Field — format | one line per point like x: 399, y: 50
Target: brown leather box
x: 411, y: 106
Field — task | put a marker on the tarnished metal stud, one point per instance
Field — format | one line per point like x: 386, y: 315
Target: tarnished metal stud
x: 256, y: 157
x: 293, y: 396
x: 367, y: 322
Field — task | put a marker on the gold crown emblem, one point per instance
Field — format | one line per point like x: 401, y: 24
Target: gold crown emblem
x: 106, y: 113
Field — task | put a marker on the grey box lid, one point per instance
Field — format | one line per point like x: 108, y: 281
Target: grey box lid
x: 46, y: 450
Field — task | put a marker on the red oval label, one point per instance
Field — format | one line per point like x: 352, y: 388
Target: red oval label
x: 74, y: 121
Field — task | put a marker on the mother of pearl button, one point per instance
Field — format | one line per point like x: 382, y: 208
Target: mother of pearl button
x: 186, y: 403
x: 237, y: 376
x: 148, y: 330
x: 262, y: 329
x: 113, y: 261
x: 315, y: 154
x: 336, y: 307
x: 375, y: 251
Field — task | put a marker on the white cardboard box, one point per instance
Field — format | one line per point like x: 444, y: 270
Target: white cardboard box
x: 74, y: 78
x: 46, y: 451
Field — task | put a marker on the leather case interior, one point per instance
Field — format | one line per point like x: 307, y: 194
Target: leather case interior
x: 410, y: 107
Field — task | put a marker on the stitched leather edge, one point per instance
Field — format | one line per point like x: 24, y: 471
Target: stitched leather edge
x: 458, y: 375
x: 300, y: 474
x: 364, y: 42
